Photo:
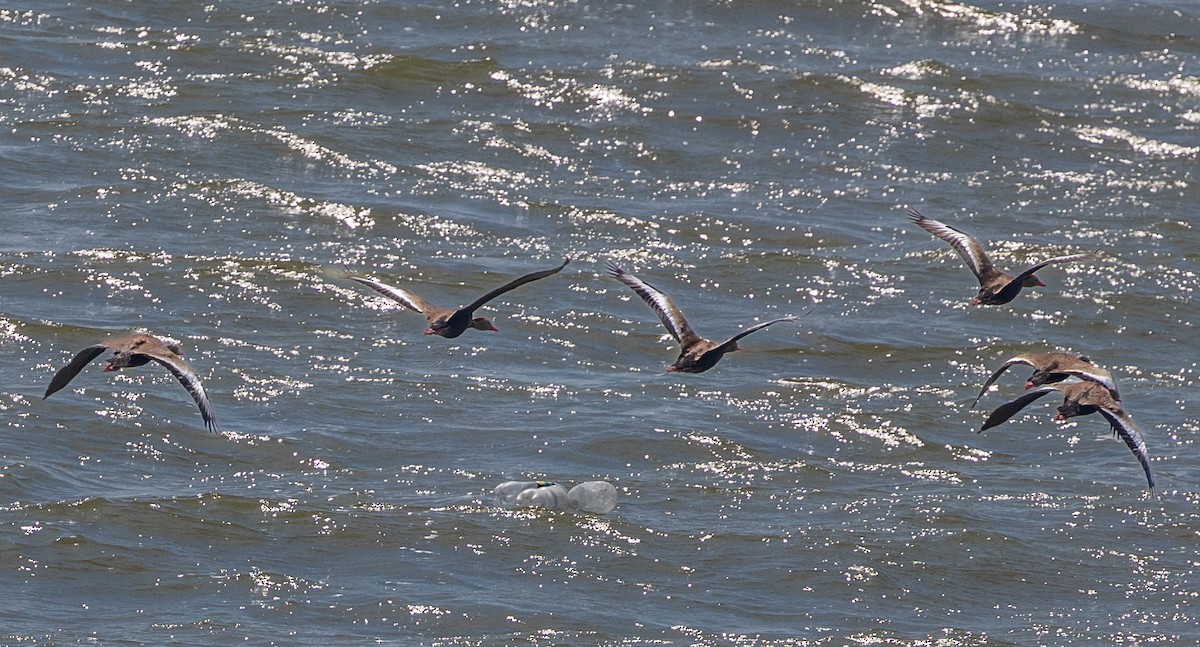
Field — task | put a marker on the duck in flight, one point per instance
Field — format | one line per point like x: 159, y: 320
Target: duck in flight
x: 1052, y: 367
x: 445, y: 322
x: 138, y: 350
x: 1080, y: 399
x: 995, y: 287
x: 696, y: 353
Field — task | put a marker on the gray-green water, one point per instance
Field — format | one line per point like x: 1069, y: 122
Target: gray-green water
x: 196, y: 170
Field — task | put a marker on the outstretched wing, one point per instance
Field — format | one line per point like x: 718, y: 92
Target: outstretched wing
x: 662, y: 304
x: 1010, y: 290
x: 68, y: 372
x: 1094, y: 374
x: 966, y: 245
x: 400, y: 295
x: 728, y: 343
x: 1123, y: 425
x: 515, y: 283
x: 1019, y: 359
x: 190, y: 381
x: 1010, y: 409
x: 1020, y: 278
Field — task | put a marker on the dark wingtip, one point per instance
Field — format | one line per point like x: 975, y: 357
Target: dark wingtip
x: 51, y: 390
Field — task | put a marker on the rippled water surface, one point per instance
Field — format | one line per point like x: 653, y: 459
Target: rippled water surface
x: 203, y: 172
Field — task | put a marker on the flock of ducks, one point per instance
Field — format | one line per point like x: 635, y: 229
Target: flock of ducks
x: 1085, y: 387
x: 1094, y: 392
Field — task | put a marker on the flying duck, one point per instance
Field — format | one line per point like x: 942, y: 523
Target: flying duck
x: 696, y: 353
x: 1052, y: 367
x: 995, y: 287
x: 1081, y: 399
x: 138, y: 350
x: 445, y: 322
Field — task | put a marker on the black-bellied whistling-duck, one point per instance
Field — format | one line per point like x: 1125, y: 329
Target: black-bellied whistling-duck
x: 445, y: 322
x: 696, y: 353
x: 1052, y: 367
x: 138, y: 350
x: 1081, y: 399
x: 995, y: 287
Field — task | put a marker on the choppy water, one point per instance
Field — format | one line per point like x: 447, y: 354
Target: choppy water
x: 195, y: 171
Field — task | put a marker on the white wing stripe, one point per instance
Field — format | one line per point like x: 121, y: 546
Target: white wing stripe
x: 406, y: 298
